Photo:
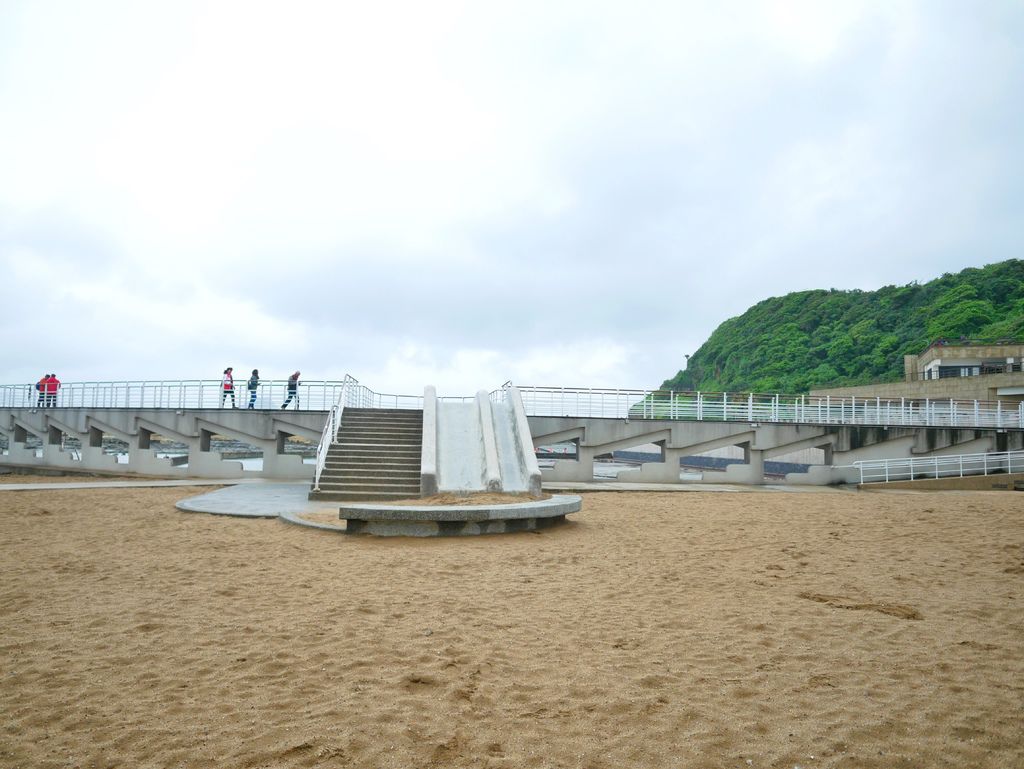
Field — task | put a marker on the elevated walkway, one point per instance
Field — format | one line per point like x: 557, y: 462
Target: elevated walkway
x: 484, y: 442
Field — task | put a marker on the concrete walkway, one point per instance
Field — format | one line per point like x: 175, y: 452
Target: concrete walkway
x: 255, y: 498
x: 119, y: 484
x: 262, y: 500
x: 576, y: 488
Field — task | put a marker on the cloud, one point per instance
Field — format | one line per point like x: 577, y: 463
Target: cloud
x: 461, y: 194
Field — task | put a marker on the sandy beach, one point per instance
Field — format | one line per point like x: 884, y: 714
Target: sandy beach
x: 655, y: 630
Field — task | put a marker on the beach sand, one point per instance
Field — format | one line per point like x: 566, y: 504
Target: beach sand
x: 655, y: 630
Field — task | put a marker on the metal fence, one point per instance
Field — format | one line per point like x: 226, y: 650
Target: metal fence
x: 195, y: 394
x: 757, y: 407
x: 957, y: 466
x: 538, y: 401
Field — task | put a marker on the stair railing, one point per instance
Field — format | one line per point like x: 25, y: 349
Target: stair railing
x: 332, y: 426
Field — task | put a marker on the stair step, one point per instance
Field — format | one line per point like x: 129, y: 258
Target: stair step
x: 376, y: 450
x: 400, y: 413
x: 368, y: 472
x: 360, y: 496
x: 356, y: 463
x: 408, y: 489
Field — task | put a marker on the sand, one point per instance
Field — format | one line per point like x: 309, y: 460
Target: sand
x: 657, y: 630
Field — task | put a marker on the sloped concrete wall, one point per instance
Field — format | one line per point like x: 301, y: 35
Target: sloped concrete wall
x: 480, y: 446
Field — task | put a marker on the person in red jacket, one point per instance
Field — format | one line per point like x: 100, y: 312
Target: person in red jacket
x: 41, y: 389
x: 227, y: 387
x: 51, y: 387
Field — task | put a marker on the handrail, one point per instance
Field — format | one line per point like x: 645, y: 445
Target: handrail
x: 330, y: 431
x: 317, y: 395
x: 545, y: 401
x: 763, y: 407
x: 948, y: 466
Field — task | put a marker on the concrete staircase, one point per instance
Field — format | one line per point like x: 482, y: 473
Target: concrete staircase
x: 376, y: 456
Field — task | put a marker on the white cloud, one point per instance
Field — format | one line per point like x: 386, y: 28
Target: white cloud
x: 461, y: 193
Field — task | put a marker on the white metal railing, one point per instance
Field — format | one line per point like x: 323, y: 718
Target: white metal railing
x: 542, y: 401
x: 180, y: 394
x: 756, y: 408
x: 953, y: 466
x: 330, y: 431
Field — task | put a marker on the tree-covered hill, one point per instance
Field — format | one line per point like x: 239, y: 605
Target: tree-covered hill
x: 834, y: 338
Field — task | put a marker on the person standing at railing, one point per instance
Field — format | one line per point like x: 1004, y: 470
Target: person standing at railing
x: 254, y: 382
x: 52, y: 385
x: 227, y: 387
x: 293, y: 390
x: 41, y: 389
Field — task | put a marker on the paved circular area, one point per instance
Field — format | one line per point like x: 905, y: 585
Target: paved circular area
x: 257, y: 500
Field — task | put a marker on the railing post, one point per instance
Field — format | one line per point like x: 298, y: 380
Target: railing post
x: 999, y: 413
x: 700, y: 407
x: 750, y: 407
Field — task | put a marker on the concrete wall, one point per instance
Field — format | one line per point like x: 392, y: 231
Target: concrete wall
x: 193, y: 427
x: 480, y: 447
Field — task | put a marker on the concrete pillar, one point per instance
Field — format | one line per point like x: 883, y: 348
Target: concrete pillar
x: 204, y: 441
x: 95, y: 438
x: 54, y: 435
x: 580, y: 469
x: 751, y: 472
x: 145, y: 438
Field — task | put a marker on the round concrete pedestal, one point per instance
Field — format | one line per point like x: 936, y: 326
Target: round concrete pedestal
x: 450, y: 520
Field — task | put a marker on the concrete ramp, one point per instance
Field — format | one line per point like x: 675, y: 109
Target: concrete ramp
x: 479, y: 445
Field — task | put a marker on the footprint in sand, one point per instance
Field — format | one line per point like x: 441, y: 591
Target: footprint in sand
x: 899, y: 610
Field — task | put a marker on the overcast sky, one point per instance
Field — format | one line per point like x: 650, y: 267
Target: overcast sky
x: 557, y: 193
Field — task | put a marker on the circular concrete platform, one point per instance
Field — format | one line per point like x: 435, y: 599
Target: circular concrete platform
x: 448, y: 520
x: 290, y: 502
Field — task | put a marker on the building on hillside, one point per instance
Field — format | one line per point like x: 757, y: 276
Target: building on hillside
x: 962, y: 370
x: 945, y: 359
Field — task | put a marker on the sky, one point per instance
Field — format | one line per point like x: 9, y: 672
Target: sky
x: 465, y: 193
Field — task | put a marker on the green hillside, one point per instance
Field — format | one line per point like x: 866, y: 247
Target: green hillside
x: 834, y: 338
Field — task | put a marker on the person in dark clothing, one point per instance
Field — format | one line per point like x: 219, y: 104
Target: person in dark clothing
x: 293, y: 390
x: 41, y: 389
x: 254, y: 382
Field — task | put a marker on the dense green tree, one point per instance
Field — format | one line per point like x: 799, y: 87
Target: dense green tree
x: 833, y: 338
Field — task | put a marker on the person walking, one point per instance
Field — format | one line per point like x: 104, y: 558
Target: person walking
x: 227, y: 387
x: 254, y: 382
x: 293, y: 390
x: 52, y: 385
